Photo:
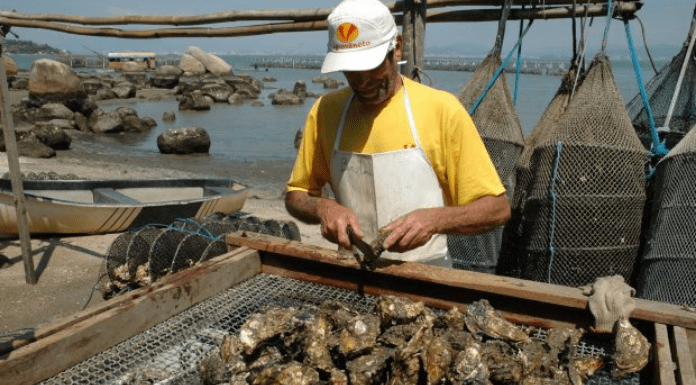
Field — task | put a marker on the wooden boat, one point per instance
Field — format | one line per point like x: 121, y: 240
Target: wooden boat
x: 106, y: 206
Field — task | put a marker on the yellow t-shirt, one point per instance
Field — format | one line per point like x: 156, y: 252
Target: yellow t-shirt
x: 446, y: 132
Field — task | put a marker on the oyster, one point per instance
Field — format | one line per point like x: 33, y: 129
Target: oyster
x: 437, y: 356
x: 260, y: 328
x: 370, y: 368
x: 582, y: 368
x: 337, y: 377
x: 631, y: 349
x: 293, y: 373
x: 468, y: 366
x: 502, y: 361
x: 407, y: 364
x: 398, y: 336
x: 481, y: 318
x: 228, y: 362
x: 359, y: 335
x: 393, y: 310
x: 453, y: 319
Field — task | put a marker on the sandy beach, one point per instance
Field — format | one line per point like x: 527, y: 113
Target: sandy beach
x: 68, y: 268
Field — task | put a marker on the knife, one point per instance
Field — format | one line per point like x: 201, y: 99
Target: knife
x: 371, y: 251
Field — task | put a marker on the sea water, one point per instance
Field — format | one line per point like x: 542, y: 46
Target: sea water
x: 248, y: 133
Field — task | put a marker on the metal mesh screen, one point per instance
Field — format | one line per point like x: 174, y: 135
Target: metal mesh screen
x: 584, y: 204
x: 170, y: 352
x: 142, y: 256
x: 499, y: 126
x: 510, y: 260
x: 668, y: 263
x: 660, y: 90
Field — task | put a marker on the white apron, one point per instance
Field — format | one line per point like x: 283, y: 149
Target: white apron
x: 379, y: 188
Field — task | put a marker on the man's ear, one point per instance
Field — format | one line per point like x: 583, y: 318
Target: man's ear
x: 399, y: 50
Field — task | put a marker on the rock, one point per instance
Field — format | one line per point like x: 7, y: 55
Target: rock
x: 139, y: 78
x: 50, y: 80
x: 81, y: 122
x: 169, y: 116
x: 131, y: 66
x: 332, y: 83
x: 245, y: 86
x: 166, y: 76
x: 63, y: 124
x: 300, y: 89
x: 269, y: 79
x: 124, y: 90
x: 105, y: 94
x: 284, y: 97
x: 194, y: 100
x: 219, y: 92
x: 189, y: 83
x: 29, y: 145
x: 188, y: 63
x: 211, y: 62
x: 257, y: 103
x: 131, y: 123
x: 184, y: 140
x: 19, y: 83
x: 235, y: 99
x: 149, y: 122
x: 54, y: 137
x: 54, y: 111
x: 123, y: 112
x: 103, y: 122
x: 11, y: 69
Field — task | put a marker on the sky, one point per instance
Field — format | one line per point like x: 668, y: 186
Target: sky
x: 666, y: 25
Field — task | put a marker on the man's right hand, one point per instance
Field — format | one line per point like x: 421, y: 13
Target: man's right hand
x: 333, y: 217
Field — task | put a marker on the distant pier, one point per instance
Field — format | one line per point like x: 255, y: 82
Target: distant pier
x: 530, y: 67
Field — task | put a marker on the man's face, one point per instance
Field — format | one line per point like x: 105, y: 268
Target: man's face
x: 377, y: 85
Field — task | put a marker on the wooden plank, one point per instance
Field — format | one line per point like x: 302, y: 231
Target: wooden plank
x: 685, y: 367
x: 121, y: 318
x: 532, y: 293
x: 664, y: 367
x: 15, y: 173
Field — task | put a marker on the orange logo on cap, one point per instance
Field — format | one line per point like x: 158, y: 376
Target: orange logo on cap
x: 347, y: 32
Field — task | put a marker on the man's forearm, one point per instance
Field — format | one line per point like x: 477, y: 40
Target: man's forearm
x: 477, y: 217
x: 303, y: 206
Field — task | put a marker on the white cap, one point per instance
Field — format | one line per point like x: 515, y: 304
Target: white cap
x: 361, y: 32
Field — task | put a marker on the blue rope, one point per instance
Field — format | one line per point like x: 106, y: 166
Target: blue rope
x: 658, y: 149
x: 497, y: 73
x: 517, y: 66
x: 554, y: 197
x: 606, y: 28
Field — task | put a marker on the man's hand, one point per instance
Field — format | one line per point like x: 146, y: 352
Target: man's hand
x: 335, y: 220
x: 411, y: 230
x: 333, y: 217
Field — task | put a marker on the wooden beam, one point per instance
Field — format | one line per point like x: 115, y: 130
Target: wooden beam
x: 15, y: 173
x: 312, y: 25
x: 531, y: 293
x: 685, y: 366
x: 663, y: 363
x: 65, y: 343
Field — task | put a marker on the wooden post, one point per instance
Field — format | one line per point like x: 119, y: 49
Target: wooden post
x: 413, y: 31
x: 15, y: 177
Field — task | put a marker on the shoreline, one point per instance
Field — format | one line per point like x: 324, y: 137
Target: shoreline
x: 68, y: 267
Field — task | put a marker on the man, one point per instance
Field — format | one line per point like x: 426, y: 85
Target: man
x: 397, y: 154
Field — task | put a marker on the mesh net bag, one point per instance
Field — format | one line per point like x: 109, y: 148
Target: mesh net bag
x: 668, y: 263
x: 499, y: 126
x: 139, y: 257
x: 660, y: 90
x: 584, y: 205
x: 509, y: 262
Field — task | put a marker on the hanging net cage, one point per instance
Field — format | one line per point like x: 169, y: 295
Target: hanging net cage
x: 583, y: 206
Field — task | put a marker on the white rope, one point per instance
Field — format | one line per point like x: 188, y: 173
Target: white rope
x: 677, y: 88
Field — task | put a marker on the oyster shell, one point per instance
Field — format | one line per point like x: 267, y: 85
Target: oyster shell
x: 481, y: 318
x: 291, y: 373
x: 260, y: 328
x: 394, y: 310
x: 631, y: 349
x: 437, y: 356
x: 370, y: 368
x: 359, y: 335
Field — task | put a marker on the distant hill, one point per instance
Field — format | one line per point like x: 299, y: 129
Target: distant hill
x: 27, y: 47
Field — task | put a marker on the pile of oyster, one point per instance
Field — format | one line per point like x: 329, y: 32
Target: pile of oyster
x: 401, y: 342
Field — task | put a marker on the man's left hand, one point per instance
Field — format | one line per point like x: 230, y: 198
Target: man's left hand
x: 411, y: 230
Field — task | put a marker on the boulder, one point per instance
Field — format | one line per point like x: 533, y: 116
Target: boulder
x: 103, y: 122
x: 54, y: 111
x: 188, y: 63
x: 63, y: 124
x: 126, y: 111
x: 139, y: 79
x: 131, y: 123
x: 11, y: 69
x: 54, y: 137
x: 81, y: 122
x: 188, y: 83
x: 194, y: 100
x: 131, y: 66
x: 300, y: 89
x: 219, y: 92
x: 50, y: 80
x: 149, y: 122
x: 169, y: 116
x: 184, y: 140
x: 29, y: 145
x: 284, y: 97
x: 235, y: 99
x: 124, y: 90
x: 166, y: 76
x: 211, y: 62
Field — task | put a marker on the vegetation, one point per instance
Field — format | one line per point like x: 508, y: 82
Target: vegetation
x: 27, y: 47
